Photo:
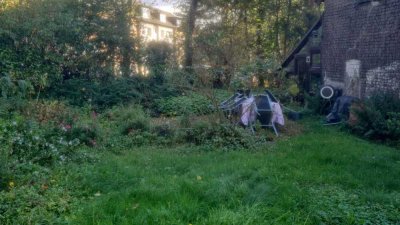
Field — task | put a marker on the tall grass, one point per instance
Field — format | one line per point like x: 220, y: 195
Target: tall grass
x: 322, y: 177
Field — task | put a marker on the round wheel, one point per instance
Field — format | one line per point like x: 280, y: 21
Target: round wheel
x: 327, y: 92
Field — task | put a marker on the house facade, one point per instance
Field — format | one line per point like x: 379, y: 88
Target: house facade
x: 157, y: 25
x: 354, y: 47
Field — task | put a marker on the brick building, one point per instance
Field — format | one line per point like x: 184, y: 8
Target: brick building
x: 354, y: 47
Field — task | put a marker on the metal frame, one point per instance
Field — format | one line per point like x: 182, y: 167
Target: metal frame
x: 230, y: 105
x: 271, y: 123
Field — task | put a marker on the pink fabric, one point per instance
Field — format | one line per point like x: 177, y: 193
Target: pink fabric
x: 277, y: 116
x: 249, y: 111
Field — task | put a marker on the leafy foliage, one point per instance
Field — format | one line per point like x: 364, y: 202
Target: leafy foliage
x: 41, y: 203
x: 14, y: 95
x: 86, y: 133
x: 129, y: 119
x: 222, y: 136
x: 44, y: 42
x: 50, y: 112
x: 192, y: 103
x: 111, y: 92
x: 27, y: 142
x: 34, y: 41
x: 234, y: 34
x: 378, y: 118
x: 157, y: 56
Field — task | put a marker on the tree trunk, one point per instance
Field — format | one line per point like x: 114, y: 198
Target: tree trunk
x: 259, y: 40
x: 277, y: 29
x: 191, y: 22
x: 261, y: 14
x: 126, y: 51
x: 286, y: 37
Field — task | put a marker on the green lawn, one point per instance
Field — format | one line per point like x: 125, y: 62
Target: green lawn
x: 321, y: 177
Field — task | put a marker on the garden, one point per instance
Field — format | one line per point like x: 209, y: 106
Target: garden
x: 85, y: 139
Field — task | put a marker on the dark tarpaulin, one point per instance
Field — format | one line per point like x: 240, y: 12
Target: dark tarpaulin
x: 341, y: 109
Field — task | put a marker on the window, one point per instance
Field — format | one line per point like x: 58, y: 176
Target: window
x: 163, y: 18
x: 146, y: 13
x: 315, y: 34
x: 316, y: 60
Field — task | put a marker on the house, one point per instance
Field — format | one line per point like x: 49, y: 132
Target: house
x: 157, y: 25
x: 354, y: 47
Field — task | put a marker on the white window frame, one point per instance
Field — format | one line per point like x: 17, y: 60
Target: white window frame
x: 163, y: 18
x: 146, y: 13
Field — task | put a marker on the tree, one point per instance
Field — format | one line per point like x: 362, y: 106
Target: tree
x: 50, y: 40
x: 232, y: 34
x: 191, y: 22
x: 157, y: 56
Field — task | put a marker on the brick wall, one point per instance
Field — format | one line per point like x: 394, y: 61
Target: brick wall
x: 360, y: 47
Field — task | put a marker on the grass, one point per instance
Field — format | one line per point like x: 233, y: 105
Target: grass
x: 321, y: 177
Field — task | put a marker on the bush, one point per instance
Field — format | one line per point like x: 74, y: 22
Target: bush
x: 14, y: 95
x: 163, y: 130
x: 316, y: 104
x: 135, y: 125
x: 111, y: 92
x: 49, y: 112
x: 222, y: 136
x: 157, y: 56
x: 87, y: 134
x: 34, y: 197
x: 4, y: 170
x: 129, y: 119
x: 378, y: 118
x: 26, y: 141
x: 393, y: 124
x: 192, y: 103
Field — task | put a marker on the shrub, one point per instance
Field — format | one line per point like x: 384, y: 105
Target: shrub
x: 39, y: 200
x: 26, y: 141
x: 192, y: 103
x: 87, y: 134
x: 46, y: 112
x: 14, y: 95
x: 129, y: 119
x: 317, y: 105
x: 157, y: 56
x: 222, y: 136
x: 163, y: 130
x: 393, y: 124
x: 378, y: 118
x: 143, y: 138
x: 111, y: 92
x: 135, y: 125
x: 4, y: 170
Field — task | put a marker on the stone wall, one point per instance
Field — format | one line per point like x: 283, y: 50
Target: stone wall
x: 360, y: 47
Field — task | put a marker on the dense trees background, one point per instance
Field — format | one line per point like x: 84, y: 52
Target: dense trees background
x: 47, y: 41
x: 241, y: 37
x: 44, y: 41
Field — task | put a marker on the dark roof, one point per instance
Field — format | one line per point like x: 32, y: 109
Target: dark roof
x: 302, y: 43
x: 168, y: 14
x: 158, y: 22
